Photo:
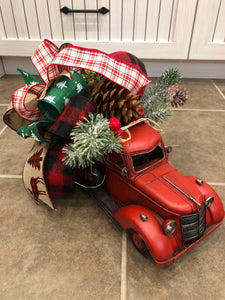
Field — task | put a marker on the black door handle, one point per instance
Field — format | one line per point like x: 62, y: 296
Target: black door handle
x: 103, y: 10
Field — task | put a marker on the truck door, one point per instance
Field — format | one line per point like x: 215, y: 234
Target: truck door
x: 117, y: 177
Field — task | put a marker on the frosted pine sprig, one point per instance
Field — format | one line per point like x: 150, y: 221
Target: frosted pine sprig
x: 91, y: 141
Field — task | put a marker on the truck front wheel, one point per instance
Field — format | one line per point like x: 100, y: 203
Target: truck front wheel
x: 138, y: 242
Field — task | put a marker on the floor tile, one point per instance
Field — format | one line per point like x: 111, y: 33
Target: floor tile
x: 220, y: 84
x: 71, y: 253
x: 202, y: 95
x: 74, y: 252
x: 14, y: 150
x: 198, y: 143
x: 220, y: 190
x: 8, y: 84
x: 2, y: 111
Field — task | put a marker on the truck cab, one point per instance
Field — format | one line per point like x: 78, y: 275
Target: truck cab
x: 165, y: 212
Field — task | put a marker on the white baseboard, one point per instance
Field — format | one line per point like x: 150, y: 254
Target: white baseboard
x: 11, y: 63
x: 2, y: 71
x: 188, y: 69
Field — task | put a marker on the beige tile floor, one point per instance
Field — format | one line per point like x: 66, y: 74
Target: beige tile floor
x: 77, y: 252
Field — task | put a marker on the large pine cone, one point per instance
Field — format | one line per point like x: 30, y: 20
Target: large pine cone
x: 112, y: 100
x: 176, y: 95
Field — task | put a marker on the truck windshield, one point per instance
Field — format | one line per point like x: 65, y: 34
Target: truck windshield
x: 144, y: 160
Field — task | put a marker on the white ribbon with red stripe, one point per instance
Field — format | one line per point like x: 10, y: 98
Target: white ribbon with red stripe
x: 47, y: 59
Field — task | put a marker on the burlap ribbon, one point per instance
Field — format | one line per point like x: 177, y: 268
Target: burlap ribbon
x: 33, y: 177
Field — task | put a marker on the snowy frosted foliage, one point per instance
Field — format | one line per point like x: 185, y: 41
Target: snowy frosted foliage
x: 154, y: 100
x: 155, y: 108
x: 91, y: 140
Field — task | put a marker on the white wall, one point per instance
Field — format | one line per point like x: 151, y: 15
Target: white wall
x: 188, y: 69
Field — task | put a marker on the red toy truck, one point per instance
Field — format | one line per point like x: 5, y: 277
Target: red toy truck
x: 164, y: 212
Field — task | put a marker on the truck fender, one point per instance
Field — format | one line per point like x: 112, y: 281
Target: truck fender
x: 160, y: 245
x: 215, y: 212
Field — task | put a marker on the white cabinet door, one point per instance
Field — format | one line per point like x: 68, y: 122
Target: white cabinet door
x: 151, y: 29
x: 208, y: 40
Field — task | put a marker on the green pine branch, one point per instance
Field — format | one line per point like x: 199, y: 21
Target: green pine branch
x: 154, y: 98
x: 169, y: 77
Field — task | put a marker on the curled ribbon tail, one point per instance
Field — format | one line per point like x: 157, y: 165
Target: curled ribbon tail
x: 24, y: 101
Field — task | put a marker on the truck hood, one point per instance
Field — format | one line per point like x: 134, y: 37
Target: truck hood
x: 168, y: 187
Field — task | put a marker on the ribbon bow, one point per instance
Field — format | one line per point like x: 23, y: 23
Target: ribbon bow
x: 25, y: 109
x: 47, y: 60
x: 24, y: 99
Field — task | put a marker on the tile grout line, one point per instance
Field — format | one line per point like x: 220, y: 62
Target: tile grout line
x: 198, y: 109
x: 11, y: 176
x: 124, y: 267
x: 3, y: 129
x: 217, y: 183
x: 218, y: 89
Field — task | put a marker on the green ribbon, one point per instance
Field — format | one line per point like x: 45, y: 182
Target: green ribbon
x: 28, y: 78
x: 35, y: 130
x: 53, y: 103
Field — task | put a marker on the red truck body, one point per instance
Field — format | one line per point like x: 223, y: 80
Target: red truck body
x: 165, y: 212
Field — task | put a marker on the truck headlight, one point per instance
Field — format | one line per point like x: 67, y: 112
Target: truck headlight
x: 209, y: 201
x: 169, y: 226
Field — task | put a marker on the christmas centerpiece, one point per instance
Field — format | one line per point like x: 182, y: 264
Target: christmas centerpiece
x: 92, y: 117
x: 75, y: 110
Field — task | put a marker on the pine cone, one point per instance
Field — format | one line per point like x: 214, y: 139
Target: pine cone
x: 112, y: 100
x: 176, y: 95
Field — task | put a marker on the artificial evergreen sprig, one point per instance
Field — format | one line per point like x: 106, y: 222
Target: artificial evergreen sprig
x: 169, y: 77
x: 154, y: 107
x: 92, y: 79
x: 91, y: 140
x: 91, y: 76
x: 154, y: 99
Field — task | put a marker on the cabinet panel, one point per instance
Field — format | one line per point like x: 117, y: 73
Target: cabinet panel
x: 30, y: 12
x: 7, y: 19
x: 148, y: 28
x: 208, y: 41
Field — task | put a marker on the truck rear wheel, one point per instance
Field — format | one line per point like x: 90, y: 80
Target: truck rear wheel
x: 138, y: 242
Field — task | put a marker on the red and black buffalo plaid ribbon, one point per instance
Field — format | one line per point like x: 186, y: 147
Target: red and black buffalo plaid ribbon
x: 131, y: 60
x: 77, y: 108
x: 58, y: 177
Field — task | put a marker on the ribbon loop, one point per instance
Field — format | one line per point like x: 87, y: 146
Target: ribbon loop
x: 97, y: 61
x: 25, y: 103
x: 43, y: 57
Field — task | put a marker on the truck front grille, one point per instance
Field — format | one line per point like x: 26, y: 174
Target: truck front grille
x: 193, y: 226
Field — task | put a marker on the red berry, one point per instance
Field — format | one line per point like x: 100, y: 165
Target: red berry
x: 119, y: 132
x: 141, y: 111
x: 114, y: 124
